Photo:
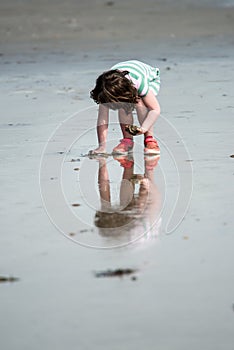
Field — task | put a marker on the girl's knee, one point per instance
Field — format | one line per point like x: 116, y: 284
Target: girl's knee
x: 140, y: 103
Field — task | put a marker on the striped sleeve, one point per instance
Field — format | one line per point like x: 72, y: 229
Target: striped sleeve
x: 137, y: 74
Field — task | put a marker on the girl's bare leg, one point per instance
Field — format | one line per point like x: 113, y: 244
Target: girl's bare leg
x: 142, y: 112
x: 125, y: 119
x: 148, y: 110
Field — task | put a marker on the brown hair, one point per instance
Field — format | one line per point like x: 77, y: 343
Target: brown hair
x: 113, y: 88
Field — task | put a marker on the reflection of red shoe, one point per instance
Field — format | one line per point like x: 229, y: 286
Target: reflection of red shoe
x: 125, y: 146
x: 151, y: 161
x: 125, y: 161
x: 151, y: 146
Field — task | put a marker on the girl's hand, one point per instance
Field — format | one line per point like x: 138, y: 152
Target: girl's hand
x: 98, y: 150
x: 134, y: 130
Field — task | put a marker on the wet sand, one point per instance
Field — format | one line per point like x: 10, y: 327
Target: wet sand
x: 181, y: 293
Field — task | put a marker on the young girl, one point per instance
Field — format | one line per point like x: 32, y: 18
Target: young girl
x: 128, y: 85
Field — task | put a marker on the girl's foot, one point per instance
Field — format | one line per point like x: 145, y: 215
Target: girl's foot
x: 98, y: 151
x: 124, y: 147
x: 151, y: 146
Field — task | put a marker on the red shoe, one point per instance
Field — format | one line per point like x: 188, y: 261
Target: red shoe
x: 125, y: 161
x: 151, y: 146
x: 125, y: 146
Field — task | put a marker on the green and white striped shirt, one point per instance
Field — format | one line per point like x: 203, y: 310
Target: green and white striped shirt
x: 143, y: 76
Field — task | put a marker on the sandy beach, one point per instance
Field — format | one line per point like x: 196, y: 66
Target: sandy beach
x: 152, y: 268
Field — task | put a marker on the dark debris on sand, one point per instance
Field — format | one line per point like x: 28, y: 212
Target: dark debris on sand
x: 116, y: 273
x: 4, y: 279
x: 75, y: 160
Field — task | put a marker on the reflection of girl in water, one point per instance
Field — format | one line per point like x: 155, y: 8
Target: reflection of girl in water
x: 138, y: 212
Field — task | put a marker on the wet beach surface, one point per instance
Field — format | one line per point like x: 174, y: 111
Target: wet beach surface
x: 166, y: 290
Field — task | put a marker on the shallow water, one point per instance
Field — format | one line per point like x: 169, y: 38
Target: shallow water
x: 114, y: 200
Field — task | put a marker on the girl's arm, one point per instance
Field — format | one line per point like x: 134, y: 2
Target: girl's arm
x: 102, y: 128
x: 151, y: 102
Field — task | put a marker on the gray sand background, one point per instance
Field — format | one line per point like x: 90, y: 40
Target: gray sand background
x: 183, y: 295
